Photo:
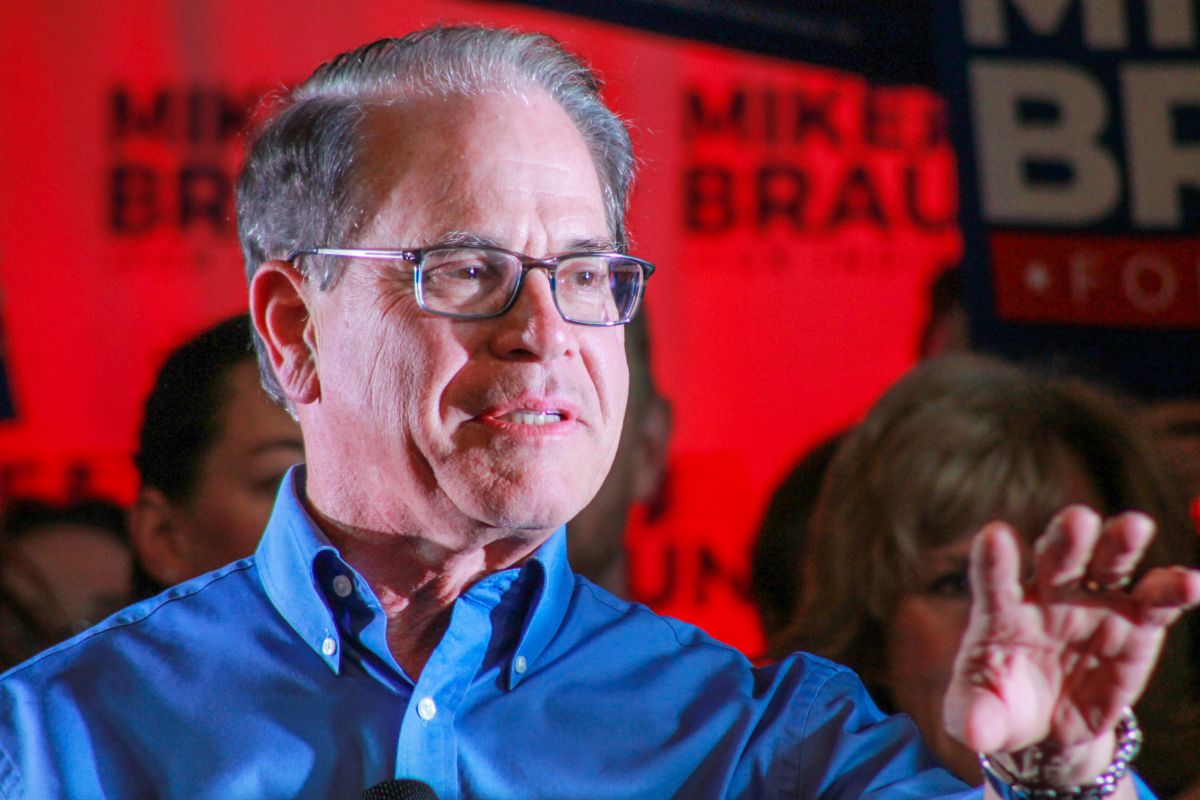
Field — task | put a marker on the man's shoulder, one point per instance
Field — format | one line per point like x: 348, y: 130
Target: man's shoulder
x: 594, y: 606
x: 138, y: 683
x: 180, y: 617
x: 160, y: 664
x: 803, y: 719
x: 616, y: 625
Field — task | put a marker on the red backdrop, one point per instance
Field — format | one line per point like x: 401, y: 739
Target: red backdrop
x: 796, y: 213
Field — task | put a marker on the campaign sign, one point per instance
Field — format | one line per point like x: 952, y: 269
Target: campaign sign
x: 796, y: 214
x: 1077, y: 124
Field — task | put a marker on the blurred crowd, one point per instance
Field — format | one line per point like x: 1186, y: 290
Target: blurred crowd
x: 861, y: 556
x: 211, y: 452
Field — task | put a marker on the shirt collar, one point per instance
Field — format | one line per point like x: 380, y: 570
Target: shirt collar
x: 288, y: 556
x: 553, y: 585
x: 296, y: 560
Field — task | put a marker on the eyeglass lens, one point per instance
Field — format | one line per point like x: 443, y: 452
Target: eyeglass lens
x: 480, y: 282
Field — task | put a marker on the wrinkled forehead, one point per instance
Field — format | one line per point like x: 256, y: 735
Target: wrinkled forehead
x: 454, y: 159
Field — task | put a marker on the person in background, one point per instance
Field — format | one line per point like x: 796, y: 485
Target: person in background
x: 26, y: 626
x: 945, y: 330
x: 212, y: 450
x: 69, y: 565
x: 1176, y: 422
x: 958, y: 442
x: 776, y: 564
x: 776, y: 567
x: 596, y: 537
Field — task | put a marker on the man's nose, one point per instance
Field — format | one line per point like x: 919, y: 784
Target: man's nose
x: 533, y: 330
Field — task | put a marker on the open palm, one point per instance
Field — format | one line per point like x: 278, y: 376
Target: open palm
x: 1054, y: 660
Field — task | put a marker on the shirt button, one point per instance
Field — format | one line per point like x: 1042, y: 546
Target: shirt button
x: 426, y: 709
x: 329, y: 646
x: 520, y: 665
x: 342, y: 586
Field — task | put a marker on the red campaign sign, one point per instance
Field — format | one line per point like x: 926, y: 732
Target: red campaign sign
x: 694, y: 563
x: 1097, y: 280
x: 796, y: 214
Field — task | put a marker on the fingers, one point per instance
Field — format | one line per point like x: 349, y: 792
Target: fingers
x: 1077, y: 550
x: 1123, y: 541
x: 975, y: 711
x: 1080, y: 551
x: 995, y: 569
x: 1062, y: 553
x: 1164, y: 594
x: 1052, y: 659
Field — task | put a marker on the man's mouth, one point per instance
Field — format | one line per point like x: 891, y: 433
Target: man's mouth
x: 527, y: 417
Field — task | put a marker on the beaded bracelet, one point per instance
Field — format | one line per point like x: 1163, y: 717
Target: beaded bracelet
x: 1129, y: 742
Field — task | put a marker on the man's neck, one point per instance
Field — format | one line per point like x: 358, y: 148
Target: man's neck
x: 417, y: 579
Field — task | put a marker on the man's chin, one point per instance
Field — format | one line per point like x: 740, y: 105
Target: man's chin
x: 530, y: 503
x: 528, y: 516
x: 549, y: 522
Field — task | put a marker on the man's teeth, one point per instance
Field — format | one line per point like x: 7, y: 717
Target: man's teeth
x: 532, y: 417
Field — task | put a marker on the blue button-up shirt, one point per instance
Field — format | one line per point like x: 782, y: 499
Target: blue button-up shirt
x: 272, y: 678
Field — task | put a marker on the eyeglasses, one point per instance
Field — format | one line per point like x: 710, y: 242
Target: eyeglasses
x: 481, y: 282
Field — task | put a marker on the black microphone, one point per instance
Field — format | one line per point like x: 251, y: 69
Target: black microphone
x: 399, y: 789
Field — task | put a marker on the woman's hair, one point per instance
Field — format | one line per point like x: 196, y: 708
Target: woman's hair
x: 182, y: 418
x: 778, y: 553
x: 958, y: 442
x: 25, y: 516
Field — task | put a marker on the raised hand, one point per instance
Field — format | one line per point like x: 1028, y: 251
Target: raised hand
x: 1051, y: 662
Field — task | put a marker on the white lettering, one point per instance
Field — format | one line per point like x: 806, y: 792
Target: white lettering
x: 1158, y: 165
x: 1006, y: 143
x: 983, y: 23
x: 1104, y: 21
x: 1171, y: 24
x: 1149, y: 268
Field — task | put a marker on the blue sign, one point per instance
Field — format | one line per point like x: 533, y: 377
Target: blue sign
x: 1077, y: 126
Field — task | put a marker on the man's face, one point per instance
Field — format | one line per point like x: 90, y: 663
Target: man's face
x: 436, y: 425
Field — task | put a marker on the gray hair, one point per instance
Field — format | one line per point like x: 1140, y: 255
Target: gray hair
x: 297, y: 188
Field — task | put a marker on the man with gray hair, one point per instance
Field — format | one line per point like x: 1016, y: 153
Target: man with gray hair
x: 433, y: 229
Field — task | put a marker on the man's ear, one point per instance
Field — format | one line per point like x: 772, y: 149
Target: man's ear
x: 279, y: 308
x: 156, y: 538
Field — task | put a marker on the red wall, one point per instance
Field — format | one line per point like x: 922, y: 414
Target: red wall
x: 796, y: 215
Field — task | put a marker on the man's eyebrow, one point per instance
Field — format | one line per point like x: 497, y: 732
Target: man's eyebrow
x: 465, y: 239
x: 588, y: 244
x: 594, y: 245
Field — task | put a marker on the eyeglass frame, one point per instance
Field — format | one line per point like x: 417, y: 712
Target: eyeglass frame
x: 416, y: 256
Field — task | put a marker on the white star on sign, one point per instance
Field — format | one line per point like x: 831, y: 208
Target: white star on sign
x: 1037, y: 277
